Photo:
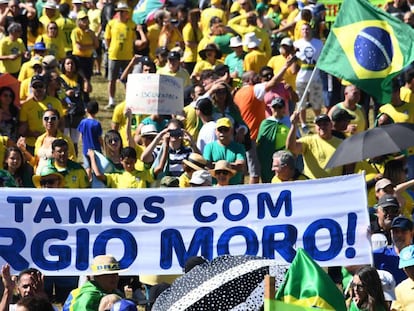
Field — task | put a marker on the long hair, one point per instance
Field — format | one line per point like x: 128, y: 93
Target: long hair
x: 372, y: 285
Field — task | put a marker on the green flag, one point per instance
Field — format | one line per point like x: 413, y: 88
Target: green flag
x: 308, y: 285
x: 367, y: 47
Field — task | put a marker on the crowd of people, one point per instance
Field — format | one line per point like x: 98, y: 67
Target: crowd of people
x: 249, y: 75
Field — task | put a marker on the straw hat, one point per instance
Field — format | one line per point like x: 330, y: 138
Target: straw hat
x: 222, y: 165
x: 47, y: 171
x: 196, y: 161
x: 105, y: 264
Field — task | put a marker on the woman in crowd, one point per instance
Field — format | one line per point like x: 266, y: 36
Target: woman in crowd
x: 72, y: 82
x: 170, y: 36
x: 192, y: 35
x: 53, y: 42
x: 210, y: 57
x: 16, y: 165
x: 43, y: 145
x: 222, y: 172
x: 8, y: 113
x: 366, y: 291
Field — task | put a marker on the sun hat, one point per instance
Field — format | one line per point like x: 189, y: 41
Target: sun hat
x: 251, y: 41
x: 47, y: 171
x: 210, y: 47
x: 196, y: 161
x: 201, y: 177
x: 148, y: 130
x: 122, y: 6
x: 105, y: 264
x: 235, y: 42
x: 406, y: 257
x: 222, y: 165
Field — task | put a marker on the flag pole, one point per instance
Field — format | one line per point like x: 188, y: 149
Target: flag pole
x: 299, y: 107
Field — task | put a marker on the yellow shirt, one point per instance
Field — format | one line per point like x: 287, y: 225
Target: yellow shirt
x: 27, y: 71
x: 83, y: 38
x: 277, y: 62
x: 135, y: 179
x: 170, y: 39
x: 190, y: 53
x: 25, y: 88
x: 406, y: 95
x: 66, y: 25
x: 403, y: 113
x: 74, y: 175
x: 122, y: 37
x: 192, y: 123
x: 94, y: 16
x: 9, y: 47
x: 359, y: 115
x: 3, y: 147
x: 153, y: 34
x: 371, y: 170
x: 254, y: 60
x: 203, y: 65
x: 32, y: 113
x: 207, y: 14
x: 184, y: 180
x: 54, y: 46
x: 181, y: 73
x: 316, y: 154
x: 404, y: 293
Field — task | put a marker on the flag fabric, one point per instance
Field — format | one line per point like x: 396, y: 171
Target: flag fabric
x: 307, y: 285
x: 367, y: 47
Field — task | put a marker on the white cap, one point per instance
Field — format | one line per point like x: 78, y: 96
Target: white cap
x: 378, y: 240
x: 286, y: 41
x: 201, y: 177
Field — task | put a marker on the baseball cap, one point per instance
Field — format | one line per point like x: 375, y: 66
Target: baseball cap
x: 406, y: 257
x: 278, y: 102
x: 388, y: 200
x: 37, y: 79
x: 224, y: 122
x: 161, y: 50
x: 174, y: 55
x: 81, y: 15
x: 322, y: 118
x: 49, y: 61
x: 402, y: 223
x: 342, y: 115
x: 39, y: 46
x: 382, y: 183
x: 286, y: 41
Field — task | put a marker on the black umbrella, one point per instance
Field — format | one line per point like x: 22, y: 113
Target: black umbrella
x: 372, y: 143
x: 226, y: 283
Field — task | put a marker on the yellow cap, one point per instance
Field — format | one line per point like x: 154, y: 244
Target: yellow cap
x: 224, y: 122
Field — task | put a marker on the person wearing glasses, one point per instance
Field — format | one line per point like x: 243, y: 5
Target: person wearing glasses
x: 366, y: 291
x: 225, y: 148
x: 31, y: 114
x: 222, y: 172
x: 43, y: 145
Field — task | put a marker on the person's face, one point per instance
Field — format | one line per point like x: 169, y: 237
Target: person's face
x: 353, y: 94
x: 359, y: 291
x: 176, y: 137
x: 324, y: 129
x: 386, y: 215
x: 69, y: 65
x: 6, y: 97
x: 128, y: 164
x: 305, y: 31
x: 25, y: 285
x: 14, y: 160
x: 50, y: 12
x: 14, y: 8
x: 50, y: 121
x: 211, y: 54
x: 223, y: 177
x: 52, y: 30
x: 50, y: 181
x: 108, y: 282
x: 401, y: 238
x: 113, y: 142
x: 198, y: 91
x: 386, y: 190
x: 84, y: 23
x: 221, y: 94
x: 60, y: 154
x: 38, y: 90
x: 146, y: 69
x: 224, y: 134
x: 174, y: 64
x: 54, y: 82
x: 281, y: 170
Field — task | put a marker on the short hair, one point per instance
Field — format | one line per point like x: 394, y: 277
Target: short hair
x: 177, y: 122
x: 64, y: 9
x: 128, y: 152
x: 27, y: 271
x: 60, y: 142
x: 208, y: 73
x: 92, y: 107
x: 285, y: 157
x: 14, y: 27
x: 248, y: 76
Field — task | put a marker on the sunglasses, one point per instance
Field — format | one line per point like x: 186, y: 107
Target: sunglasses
x: 51, y: 118
x: 223, y: 129
x: 223, y: 172
x: 48, y: 181
x: 113, y: 140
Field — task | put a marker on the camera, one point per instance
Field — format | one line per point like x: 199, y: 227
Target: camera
x: 176, y: 132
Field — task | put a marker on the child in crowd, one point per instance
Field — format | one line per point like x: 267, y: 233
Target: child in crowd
x: 91, y: 132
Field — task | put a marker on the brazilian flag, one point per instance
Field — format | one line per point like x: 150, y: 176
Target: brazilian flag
x: 307, y: 286
x: 367, y: 47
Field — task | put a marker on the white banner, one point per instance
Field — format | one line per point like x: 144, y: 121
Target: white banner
x: 154, y: 94
x: 154, y: 231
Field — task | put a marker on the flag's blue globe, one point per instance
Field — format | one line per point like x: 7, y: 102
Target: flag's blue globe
x: 373, y: 49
